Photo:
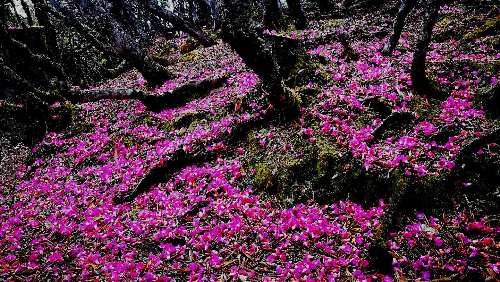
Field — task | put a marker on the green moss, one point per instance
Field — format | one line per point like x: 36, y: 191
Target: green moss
x: 146, y: 120
x: 264, y: 180
x: 333, y: 23
x: 326, y: 158
x: 493, y: 41
x: 490, y: 68
x: 295, y: 99
x: 490, y: 26
x: 167, y: 126
x: 191, y: 56
x: 189, y: 119
x: 197, y: 122
x: 445, y: 21
x: 253, y: 144
x: 129, y: 141
x: 422, y: 107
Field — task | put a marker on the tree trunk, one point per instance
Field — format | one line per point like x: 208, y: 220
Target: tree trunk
x: 152, y: 72
x: 179, y: 23
x: 421, y: 83
x: 297, y: 13
x: 70, y: 19
x: 271, y: 14
x: 15, y: 52
x: 202, y: 12
x: 214, y: 10
x: 324, y: 6
x: 50, y: 33
x: 270, y: 57
x: 404, y: 9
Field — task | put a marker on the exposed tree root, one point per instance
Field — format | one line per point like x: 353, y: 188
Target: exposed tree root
x: 180, y: 159
x: 82, y: 96
x: 162, y: 173
x: 349, y: 54
x: 468, y: 150
x: 183, y: 94
x: 394, y: 120
x: 121, y: 68
x: 179, y: 96
x: 377, y: 104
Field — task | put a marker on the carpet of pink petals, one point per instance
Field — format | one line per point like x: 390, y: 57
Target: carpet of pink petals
x: 204, y: 224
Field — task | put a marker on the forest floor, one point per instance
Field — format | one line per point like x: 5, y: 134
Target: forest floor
x: 298, y: 199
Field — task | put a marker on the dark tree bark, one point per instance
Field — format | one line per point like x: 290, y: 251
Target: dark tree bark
x: 421, y: 83
x: 41, y: 69
x: 179, y: 23
x: 491, y: 101
x: 129, y: 49
x: 70, y: 19
x: 29, y: 16
x: 297, y: 13
x: 50, y: 33
x: 21, y: 50
x: 394, y: 120
x: 124, y: 45
x: 404, y: 9
x: 324, y: 6
x: 270, y: 57
x: 26, y: 91
x: 347, y: 3
x: 215, y: 11
x: 271, y: 14
x: 202, y: 12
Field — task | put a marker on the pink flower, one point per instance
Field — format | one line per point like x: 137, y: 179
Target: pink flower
x: 215, y: 260
x: 438, y: 241
x: 55, y: 257
x: 427, y: 128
